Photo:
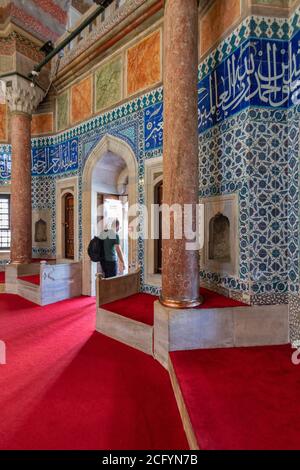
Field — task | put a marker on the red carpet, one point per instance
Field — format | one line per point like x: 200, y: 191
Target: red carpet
x: 66, y: 387
x: 242, y: 398
x: 213, y: 300
x: 34, y: 279
x: 2, y: 277
x: 139, y: 307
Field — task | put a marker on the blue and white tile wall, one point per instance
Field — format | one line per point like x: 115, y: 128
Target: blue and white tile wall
x: 293, y: 222
x: 268, y: 200
x: 248, y: 139
x: 244, y: 94
x: 5, y: 164
x: 224, y: 153
x: 5, y: 171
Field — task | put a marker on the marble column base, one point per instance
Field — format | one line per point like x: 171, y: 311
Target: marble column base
x: 181, y: 304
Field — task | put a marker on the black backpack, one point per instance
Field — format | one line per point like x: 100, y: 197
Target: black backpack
x: 96, y: 250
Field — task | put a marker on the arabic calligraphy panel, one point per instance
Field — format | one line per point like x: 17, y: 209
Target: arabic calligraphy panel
x: 154, y: 127
x: 258, y: 73
x: 55, y: 159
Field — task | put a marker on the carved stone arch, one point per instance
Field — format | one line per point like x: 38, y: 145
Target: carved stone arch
x: 122, y: 183
x: 119, y: 147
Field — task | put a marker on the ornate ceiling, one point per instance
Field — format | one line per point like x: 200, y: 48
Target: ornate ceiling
x: 44, y: 19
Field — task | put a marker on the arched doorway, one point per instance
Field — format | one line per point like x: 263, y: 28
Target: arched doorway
x: 110, y: 166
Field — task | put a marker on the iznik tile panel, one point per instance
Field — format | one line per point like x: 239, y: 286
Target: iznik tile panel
x: 55, y: 159
x: 5, y: 163
x: 154, y: 127
x: 258, y: 73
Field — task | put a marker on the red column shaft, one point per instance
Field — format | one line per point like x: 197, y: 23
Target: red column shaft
x: 21, y: 210
x: 180, y: 274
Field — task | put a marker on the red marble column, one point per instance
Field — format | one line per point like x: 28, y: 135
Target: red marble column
x: 180, y: 273
x: 21, y: 211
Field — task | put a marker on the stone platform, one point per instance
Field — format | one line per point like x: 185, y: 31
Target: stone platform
x: 123, y: 313
x: 57, y: 281
x: 127, y: 316
x: 209, y: 328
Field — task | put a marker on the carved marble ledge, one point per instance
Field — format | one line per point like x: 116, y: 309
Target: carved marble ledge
x: 131, y: 8
x: 20, y: 95
x: 269, y: 8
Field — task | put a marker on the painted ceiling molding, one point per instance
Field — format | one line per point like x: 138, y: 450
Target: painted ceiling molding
x: 82, y: 5
x: 44, y: 19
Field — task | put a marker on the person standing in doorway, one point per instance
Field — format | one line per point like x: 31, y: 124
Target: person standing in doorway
x: 112, y: 250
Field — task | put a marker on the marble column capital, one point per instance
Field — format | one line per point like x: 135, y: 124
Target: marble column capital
x: 20, y: 95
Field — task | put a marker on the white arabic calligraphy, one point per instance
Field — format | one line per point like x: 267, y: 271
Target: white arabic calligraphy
x: 264, y: 73
x: 55, y: 159
x: 154, y: 127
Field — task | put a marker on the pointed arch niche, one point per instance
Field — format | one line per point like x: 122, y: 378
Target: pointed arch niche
x: 109, y: 145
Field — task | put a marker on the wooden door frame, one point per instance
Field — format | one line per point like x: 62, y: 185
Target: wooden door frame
x: 157, y: 242
x: 153, y: 175
x: 64, y: 186
x: 67, y: 196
